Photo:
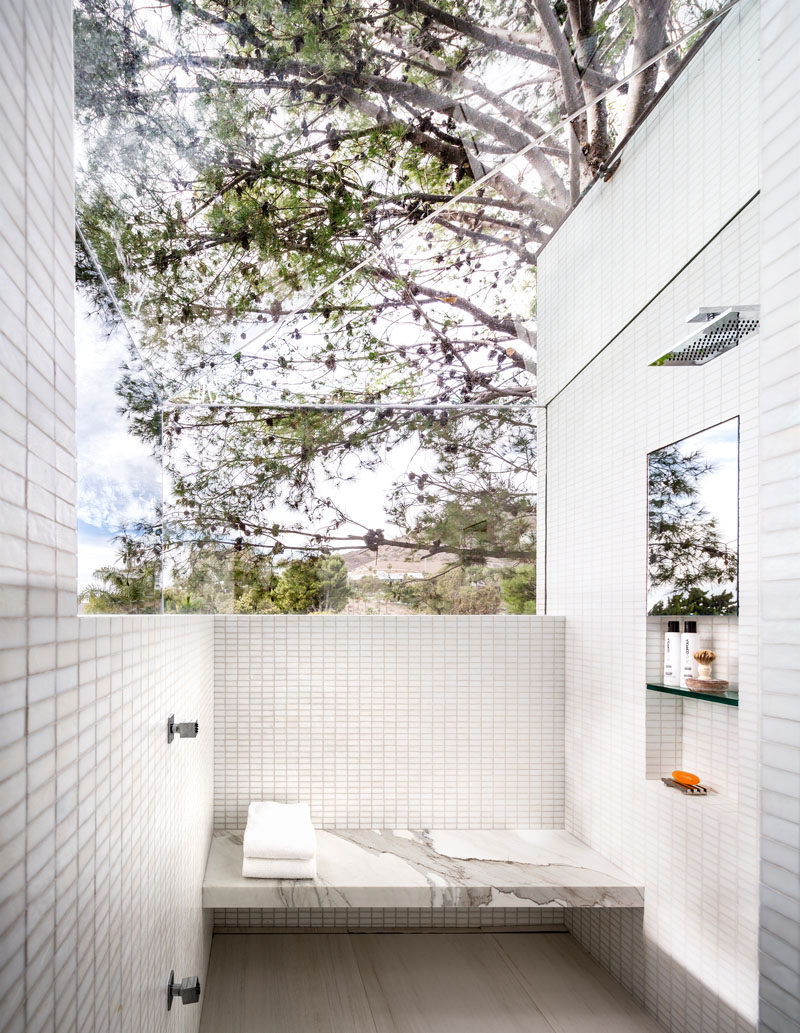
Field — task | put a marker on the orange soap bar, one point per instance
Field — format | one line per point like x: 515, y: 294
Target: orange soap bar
x: 686, y: 778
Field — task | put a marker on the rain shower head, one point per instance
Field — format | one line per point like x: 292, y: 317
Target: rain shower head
x: 721, y: 329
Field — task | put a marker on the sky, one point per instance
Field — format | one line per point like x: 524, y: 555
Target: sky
x: 719, y: 489
x: 119, y: 481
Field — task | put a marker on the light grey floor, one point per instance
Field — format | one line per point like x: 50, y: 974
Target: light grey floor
x: 412, y: 983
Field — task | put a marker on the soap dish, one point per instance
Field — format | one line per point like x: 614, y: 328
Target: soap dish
x: 716, y: 685
x: 694, y: 790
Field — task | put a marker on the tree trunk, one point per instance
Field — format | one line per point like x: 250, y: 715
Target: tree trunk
x: 649, y: 36
x: 572, y: 90
x: 598, y: 144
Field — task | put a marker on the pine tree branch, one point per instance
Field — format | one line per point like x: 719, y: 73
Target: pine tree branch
x: 505, y: 325
x: 489, y: 38
x: 436, y: 66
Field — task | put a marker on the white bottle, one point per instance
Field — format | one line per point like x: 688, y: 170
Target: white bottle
x: 689, y: 646
x: 672, y: 653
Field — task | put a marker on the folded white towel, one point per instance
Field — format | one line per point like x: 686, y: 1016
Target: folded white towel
x: 279, y: 830
x: 278, y: 868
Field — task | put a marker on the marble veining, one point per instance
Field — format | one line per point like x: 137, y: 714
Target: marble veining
x: 428, y: 868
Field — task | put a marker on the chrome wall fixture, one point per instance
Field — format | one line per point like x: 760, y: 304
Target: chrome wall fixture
x: 720, y: 330
x: 185, y: 729
x: 188, y: 989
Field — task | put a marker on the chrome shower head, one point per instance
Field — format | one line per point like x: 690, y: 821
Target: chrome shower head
x: 721, y: 329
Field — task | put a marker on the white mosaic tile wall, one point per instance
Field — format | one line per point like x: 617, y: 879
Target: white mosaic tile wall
x: 693, y: 960
x: 780, y: 519
x: 697, y: 857
x: 103, y: 827
x: 663, y: 204
x: 398, y: 722
x: 37, y: 488
x: 107, y: 850
x: 134, y: 818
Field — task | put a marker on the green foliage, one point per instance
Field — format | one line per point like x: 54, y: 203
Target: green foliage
x: 312, y: 585
x: 286, y: 153
x: 473, y: 502
x: 463, y: 590
x: 137, y: 592
x: 254, y: 581
x: 209, y: 578
x: 241, y: 579
x: 518, y: 588
x: 698, y: 602
x: 131, y: 586
x: 175, y: 602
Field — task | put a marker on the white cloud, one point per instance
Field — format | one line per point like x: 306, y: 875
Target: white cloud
x: 119, y: 480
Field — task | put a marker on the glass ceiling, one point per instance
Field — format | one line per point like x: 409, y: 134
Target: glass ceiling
x: 341, y: 205
x: 345, y: 203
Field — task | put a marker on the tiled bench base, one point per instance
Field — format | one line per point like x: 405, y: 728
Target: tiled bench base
x: 389, y: 919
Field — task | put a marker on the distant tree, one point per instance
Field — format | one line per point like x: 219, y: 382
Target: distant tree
x: 313, y: 584
x: 518, y: 588
x: 254, y: 581
x: 132, y: 585
x: 216, y: 578
x: 697, y: 601
x: 253, y: 599
x: 464, y: 590
x: 210, y: 577
x: 178, y: 602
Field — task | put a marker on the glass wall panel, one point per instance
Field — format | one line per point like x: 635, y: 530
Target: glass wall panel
x: 380, y: 510
x: 328, y: 206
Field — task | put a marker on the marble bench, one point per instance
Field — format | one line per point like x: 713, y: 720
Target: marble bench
x: 398, y: 868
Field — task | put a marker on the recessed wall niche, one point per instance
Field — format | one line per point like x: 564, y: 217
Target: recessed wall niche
x: 693, y: 734
x: 693, y: 574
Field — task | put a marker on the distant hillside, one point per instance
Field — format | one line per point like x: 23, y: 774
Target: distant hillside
x: 392, y: 560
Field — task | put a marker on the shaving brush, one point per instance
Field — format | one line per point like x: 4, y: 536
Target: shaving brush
x: 705, y: 658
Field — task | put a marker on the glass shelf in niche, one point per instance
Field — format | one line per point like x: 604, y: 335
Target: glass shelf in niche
x: 730, y: 697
